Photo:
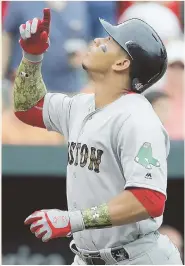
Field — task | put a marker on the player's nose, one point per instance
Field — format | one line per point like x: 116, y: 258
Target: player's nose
x: 97, y: 41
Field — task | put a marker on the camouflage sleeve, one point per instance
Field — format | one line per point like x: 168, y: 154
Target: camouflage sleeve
x: 29, y: 87
x: 96, y: 217
x: 93, y: 218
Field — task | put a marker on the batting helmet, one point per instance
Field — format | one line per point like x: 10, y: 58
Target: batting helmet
x: 145, y: 48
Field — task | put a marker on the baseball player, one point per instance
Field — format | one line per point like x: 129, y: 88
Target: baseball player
x: 117, y: 146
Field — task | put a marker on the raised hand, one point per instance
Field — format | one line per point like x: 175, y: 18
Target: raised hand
x: 35, y: 34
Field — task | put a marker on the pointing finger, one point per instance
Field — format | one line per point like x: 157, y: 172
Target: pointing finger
x: 46, y: 17
x: 44, y: 36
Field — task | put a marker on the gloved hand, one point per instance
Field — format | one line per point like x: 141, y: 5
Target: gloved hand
x: 48, y: 224
x: 35, y: 34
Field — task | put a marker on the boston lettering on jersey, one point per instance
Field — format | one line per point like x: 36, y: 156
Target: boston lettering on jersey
x: 80, y: 154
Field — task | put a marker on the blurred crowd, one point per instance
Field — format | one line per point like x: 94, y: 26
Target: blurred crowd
x: 74, y: 25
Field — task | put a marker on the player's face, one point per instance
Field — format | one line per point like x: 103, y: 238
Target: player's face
x: 104, y: 54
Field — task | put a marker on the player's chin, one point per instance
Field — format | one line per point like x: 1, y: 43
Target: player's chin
x: 85, y: 64
x: 90, y: 65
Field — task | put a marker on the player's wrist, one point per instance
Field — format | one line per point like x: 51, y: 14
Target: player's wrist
x: 97, y: 217
x: 33, y: 58
x: 93, y: 218
x: 76, y: 221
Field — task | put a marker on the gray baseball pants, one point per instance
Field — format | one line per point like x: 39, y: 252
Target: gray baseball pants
x: 159, y: 251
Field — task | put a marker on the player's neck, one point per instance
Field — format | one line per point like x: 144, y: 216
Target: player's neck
x: 102, y: 100
x: 105, y: 95
x: 107, y: 90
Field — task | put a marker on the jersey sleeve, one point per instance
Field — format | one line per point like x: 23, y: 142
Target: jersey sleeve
x: 56, y: 112
x: 143, y: 150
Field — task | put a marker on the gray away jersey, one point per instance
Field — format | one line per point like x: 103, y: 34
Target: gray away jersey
x: 121, y: 145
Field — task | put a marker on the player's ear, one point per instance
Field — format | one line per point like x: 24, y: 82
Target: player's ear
x: 121, y: 64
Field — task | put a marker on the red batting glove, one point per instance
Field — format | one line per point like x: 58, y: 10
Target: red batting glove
x: 48, y: 224
x: 35, y: 34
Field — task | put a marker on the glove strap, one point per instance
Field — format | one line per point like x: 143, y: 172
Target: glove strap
x: 33, y: 58
x: 76, y: 221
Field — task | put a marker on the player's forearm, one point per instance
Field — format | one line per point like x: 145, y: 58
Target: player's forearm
x: 130, y: 206
x: 123, y: 209
x: 126, y: 209
x: 29, y: 87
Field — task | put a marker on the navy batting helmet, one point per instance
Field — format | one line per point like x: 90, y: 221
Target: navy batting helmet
x: 145, y: 48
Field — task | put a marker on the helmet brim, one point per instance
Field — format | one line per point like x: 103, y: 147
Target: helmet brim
x: 111, y: 31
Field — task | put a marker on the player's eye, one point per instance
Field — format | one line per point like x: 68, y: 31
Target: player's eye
x: 108, y: 39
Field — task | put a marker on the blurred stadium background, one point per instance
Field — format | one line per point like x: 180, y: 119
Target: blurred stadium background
x: 34, y: 161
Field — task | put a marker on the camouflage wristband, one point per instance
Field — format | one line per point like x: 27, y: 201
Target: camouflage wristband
x: 93, y: 218
x: 97, y: 217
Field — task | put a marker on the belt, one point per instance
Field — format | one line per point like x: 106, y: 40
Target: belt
x: 94, y: 258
